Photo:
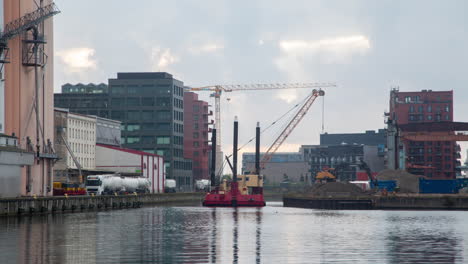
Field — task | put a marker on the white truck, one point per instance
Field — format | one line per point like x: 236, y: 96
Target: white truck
x: 203, y: 185
x: 111, y: 183
x: 170, y: 186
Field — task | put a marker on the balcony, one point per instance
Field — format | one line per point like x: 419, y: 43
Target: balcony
x: 210, y: 113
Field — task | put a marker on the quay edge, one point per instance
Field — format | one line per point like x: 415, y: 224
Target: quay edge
x: 397, y: 202
x: 61, y: 204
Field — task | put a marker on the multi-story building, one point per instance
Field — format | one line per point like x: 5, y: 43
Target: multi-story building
x: 28, y: 93
x: 150, y: 107
x: 434, y: 159
x: 85, y: 88
x: 196, y: 139
x: 81, y: 133
x: 283, y: 165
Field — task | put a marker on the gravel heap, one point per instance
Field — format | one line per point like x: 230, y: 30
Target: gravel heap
x: 336, y: 189
x: 408, y: 183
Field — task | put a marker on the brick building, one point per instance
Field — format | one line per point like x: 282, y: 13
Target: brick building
x: 196, y: 131
x: 434, y: 159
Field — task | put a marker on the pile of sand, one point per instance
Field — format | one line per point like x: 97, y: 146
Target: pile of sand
x: 408, y: 183
x: 336, y: 189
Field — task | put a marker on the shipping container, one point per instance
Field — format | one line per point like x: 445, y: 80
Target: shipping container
x: 438, y: 186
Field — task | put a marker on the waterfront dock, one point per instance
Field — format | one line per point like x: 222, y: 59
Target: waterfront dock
x: 62, y: 204
x: 390, y: 202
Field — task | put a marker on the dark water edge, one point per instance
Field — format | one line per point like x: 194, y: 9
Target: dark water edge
x: 192, y: 234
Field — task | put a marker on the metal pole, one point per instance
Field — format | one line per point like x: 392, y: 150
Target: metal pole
x: 234, y: 150
x: 213, y: 158
x: 257, y: 149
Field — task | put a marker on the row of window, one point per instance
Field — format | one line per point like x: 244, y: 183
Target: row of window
x: 178, y: 115
x: 429, y: 109
x: 160, y: 140
x: 178, y: 90
x: 131, y: 127
x: 140, y: 89
x: 182, y: 165
x: 144, y: 101
x: 325, y: 160
x: 437, y: 117
x: 178, y: 103
x: 141, y: 115
x: 178, y: 128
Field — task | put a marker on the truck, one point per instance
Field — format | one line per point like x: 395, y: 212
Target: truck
x: 203, y: 185
x: 170, y: 186
x: 112, y: 183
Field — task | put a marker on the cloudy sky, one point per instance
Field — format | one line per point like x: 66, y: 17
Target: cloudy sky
x: 366, y: 47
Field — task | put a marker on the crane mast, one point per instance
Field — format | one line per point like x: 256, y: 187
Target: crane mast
x: 290, y: 127
x: 217, y: 91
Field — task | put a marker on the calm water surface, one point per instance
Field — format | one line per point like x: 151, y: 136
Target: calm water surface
x: 273, y: 234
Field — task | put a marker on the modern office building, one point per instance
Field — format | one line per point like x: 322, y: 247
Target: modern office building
x: 196, y: 134
x: 434, y: 159
x: 150, y: 106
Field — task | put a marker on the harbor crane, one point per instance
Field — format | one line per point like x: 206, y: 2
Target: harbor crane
x: 291, y: 125
x: 218, y: 90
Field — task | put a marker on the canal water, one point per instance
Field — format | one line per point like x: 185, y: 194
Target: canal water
x: 273, y: 234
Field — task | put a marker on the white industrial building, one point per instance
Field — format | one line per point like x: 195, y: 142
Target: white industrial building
x: 132, y: 162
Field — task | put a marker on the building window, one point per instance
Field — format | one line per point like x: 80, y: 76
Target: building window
x: 447, y: 108
x: 117, y: 101
x: 196, y: 144
x: 195, y: 117
x: 196, y: 135
x: 147, y: 101
x: 196, y: 108
x: 163, y: 140
x: 118, y: 89
x: 163, y: 101
x: 163, y: 126
x: 133, y: 101
x: 147, y: 139
x: 132, y: 89
x: 133, y: 127
x: 196, y: 153
x: 164, y: 115
x: 134, y: 115
x: 447, y: 118
x: 408, y: 99
x: 429, y: 117
x: 147, y: 115
x: 195, y: 126
x: 420, y: 109
x: 411, y: 109
x: 132, y: 140
x: 118, y: 115
x: 429, y: 108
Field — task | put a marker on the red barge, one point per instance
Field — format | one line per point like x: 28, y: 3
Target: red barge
x: 243, y: 190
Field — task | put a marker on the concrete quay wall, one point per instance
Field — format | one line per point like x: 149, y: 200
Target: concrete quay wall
x: 413, y: 202
x: 62, y: 204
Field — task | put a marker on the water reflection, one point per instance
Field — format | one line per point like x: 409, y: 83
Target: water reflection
x: 243, y: 235
x: 429, y: 239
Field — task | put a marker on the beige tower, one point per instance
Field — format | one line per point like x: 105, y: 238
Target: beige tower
x: 29, y: 102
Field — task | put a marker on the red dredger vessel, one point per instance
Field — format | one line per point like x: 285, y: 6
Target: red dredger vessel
x: 243, y: 190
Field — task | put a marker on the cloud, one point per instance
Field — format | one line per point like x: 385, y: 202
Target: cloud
x: 333, y: 46
x: 161, y: 59
x: 206, y: 48
x: 297, y: 57
x: 77, y: 60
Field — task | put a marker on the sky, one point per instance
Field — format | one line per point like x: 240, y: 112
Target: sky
x: 365, y: 47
